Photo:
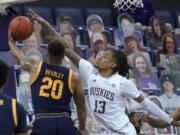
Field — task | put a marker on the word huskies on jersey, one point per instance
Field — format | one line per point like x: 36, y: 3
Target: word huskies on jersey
x: 102, y: 92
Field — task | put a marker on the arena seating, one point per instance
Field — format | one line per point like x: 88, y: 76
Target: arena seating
x: 75, y: 13
x: 45, y: 12
x: 166, y: 15
x: 106, y: 14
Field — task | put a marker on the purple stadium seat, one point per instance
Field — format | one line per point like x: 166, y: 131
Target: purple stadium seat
x: 166, y: 15
x: 5, y: 19
x: 176, y: 18
x: 7, y: 57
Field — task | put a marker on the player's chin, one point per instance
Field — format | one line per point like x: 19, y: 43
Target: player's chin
x: 96, y: 65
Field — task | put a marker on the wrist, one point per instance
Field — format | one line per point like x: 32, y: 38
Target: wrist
x: 145, y: 118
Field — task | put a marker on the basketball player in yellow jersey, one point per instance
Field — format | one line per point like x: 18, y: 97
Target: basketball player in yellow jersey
x: 12, y: 113
x: 52, y: 87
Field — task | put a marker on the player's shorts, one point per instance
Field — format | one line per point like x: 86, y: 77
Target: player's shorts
x: 54, y: 125
x: 126, y: 130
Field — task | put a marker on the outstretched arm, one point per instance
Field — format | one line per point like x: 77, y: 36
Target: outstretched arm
x: 154, y: 122
x: 26, y: 64
x: 43, y: 22
x: 156, y: 111
x: 70, y: 53
x: 73, y: 56
x: 19, y: 55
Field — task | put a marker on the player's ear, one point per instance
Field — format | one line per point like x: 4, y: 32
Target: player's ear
x: 113, y: 64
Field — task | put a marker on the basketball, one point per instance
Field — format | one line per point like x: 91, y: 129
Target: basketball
x: 21, y: 28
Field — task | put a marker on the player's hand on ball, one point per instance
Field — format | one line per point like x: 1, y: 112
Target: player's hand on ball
x: 11, y: 39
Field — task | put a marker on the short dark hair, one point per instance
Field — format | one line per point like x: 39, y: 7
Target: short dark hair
x: 56, y: 48
x: 121, y: 60
x: 125, y: 16
x: 130, y: 38
x: 3, y: 73
x: 64, y: 17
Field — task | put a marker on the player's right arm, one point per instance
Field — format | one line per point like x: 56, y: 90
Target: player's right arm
x: 26, y: 64
x: 19, y: 55
x: 79, y: 100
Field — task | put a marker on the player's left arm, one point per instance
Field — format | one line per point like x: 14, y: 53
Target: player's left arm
x: 157, y: 123
x: 154, y: 122
x: 79, y: 100
x: 26, y: 63
x: 156, y: 111
x: 163, y: 119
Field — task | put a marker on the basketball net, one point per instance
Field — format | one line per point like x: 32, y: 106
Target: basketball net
x: 128, y: 4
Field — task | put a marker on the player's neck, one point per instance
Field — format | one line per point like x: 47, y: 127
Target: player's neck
x: 106, y: 73
x: 54, y: 62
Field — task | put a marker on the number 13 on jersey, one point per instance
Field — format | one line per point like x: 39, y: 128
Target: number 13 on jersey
x: 100, y: 106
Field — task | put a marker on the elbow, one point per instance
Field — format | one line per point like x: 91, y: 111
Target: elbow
x: 140, y: 98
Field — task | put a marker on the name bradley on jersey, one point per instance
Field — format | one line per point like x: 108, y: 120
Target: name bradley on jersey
x: 52, y: 73
x: 102, y: 92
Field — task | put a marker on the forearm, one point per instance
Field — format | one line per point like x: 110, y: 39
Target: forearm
x: 18, y: 54
x: 50, y: 30
x: 156, y: 123
x: 21, y: 58
x: 81, y: 112
x: 73, y: 56
x: 156, y: 111
x: 43, y: 22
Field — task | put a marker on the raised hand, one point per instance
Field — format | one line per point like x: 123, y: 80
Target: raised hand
x: 11, y: 40
x: 36, y: 17
x: 43, y: 22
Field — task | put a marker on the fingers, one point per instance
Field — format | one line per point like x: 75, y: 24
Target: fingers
x: 10, y: 37
x: 33, y: 14
x: 175, y: 123
x: 176, y: 114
